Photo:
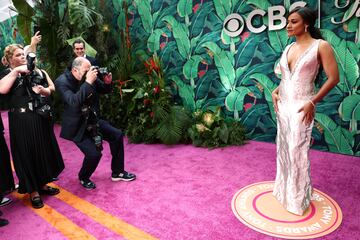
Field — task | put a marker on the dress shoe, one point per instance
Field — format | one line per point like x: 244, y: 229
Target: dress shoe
x: 49, y: 191
x: 3, y: 222
x: 36, y: 202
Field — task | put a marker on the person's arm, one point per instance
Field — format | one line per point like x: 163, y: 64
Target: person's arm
x: 75, y: 99
x: 275, y: 98
x: 105, y: 86
x: 8, y: 80
x: 45, y: 91
x: 330, y: 67
x: 329, y: 64
x: 35, y: 40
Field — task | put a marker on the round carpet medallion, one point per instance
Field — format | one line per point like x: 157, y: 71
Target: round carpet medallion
x: 255, y: 206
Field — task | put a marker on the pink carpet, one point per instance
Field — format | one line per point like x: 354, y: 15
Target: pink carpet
x: 183, y: 192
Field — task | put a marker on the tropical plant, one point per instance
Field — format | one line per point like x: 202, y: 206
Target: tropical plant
x: 209, y: 129
x: 57, y: 21
x: 151, y: 115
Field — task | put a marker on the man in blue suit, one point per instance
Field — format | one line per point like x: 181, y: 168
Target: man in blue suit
x: 79, y: 89
x: 79, y: 51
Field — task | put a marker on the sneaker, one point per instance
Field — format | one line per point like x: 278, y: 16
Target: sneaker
x: 88, y: 184
x: 124, y: 176
x: 5, y: 201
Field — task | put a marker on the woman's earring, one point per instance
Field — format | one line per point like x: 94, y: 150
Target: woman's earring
x: 306, y: 27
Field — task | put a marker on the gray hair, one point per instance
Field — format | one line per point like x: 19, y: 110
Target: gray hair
x: 77, y: 62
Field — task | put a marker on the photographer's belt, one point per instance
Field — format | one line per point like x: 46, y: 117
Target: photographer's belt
x: 20, y: 110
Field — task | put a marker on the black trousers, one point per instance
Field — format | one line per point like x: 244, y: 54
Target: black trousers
x: 93, y: 155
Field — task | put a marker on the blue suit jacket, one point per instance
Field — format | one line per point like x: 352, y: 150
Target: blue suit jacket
x: 74, y: 96
x: 92, y: 60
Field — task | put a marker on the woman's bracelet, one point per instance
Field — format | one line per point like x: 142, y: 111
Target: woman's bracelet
x: 312, y: 103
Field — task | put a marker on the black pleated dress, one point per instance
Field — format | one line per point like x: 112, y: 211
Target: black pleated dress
x: 34, y: 148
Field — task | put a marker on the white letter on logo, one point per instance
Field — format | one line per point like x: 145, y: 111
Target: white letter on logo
x: 352, y: 12
x: 233, y: 25
x: 273, y: 18
x: 249, y: 18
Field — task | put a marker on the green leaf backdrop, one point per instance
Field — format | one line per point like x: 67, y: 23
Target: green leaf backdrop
x: 207, y: 69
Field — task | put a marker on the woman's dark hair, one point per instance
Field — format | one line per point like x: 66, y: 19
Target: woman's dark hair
x: 309, y: 17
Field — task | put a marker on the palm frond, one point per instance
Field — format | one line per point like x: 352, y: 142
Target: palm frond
x: 82, y: 14
x: 173, y: 126
x: 63, y: 33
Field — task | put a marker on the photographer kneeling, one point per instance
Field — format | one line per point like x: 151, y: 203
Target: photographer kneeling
x: 79, y: 89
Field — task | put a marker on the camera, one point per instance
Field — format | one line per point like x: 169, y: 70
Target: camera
x: 92, y: 127
x: 30, y: 58
x: 102, y: 71
x: 33, y: 77
x: 93, y: 130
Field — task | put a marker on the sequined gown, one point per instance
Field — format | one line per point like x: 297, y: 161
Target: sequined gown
x: 293, y: 187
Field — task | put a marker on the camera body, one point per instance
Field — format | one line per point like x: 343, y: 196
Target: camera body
x: 93, y: 130
x: 102, y: 71
x: 38, y: 103
x: 33, y: 77
x: 92, y: 127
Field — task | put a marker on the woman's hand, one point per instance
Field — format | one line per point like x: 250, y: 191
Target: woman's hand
x: 36, y: 39
x: 309, y: 112
x: 275, y: 98
x: 38, y: 89
x: 21, y: 69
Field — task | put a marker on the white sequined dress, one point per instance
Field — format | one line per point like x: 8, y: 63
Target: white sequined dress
x: 293, y: 187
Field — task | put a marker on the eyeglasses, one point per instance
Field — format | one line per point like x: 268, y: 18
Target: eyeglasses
x: 79, y: 48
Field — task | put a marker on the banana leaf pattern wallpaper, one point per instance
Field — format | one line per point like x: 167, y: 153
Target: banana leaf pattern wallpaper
x: 207, y: 69
x: 210, y: 69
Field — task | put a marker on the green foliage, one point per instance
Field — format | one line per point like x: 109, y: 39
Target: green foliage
x: 338, y: 139
x: 209, y: 70
x: 24, y: 19
x: 211, y: 130
x: 153, y: 117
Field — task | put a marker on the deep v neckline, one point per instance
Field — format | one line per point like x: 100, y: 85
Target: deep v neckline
x: 299, y: 58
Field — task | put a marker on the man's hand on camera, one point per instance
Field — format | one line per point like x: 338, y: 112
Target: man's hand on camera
x: 91, y: 75
x: 108, y: 78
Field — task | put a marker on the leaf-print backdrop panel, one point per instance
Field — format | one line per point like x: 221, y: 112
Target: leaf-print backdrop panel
x: 207, y: 68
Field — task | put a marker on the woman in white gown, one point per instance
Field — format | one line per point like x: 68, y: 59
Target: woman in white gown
x: 294, y: 102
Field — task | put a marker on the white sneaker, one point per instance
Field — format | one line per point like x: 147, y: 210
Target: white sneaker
x: 5, y: 201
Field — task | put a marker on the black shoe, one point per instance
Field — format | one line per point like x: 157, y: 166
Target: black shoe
x: 88, y: 184
x: 124, y: 176
x: 49, y: 191
x: 3, y: 222
x: 36, y: 202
